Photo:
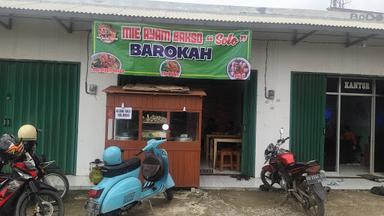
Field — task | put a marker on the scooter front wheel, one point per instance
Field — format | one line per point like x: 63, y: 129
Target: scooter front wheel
x: 168, y: 194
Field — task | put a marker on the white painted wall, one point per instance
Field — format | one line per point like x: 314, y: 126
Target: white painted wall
x: 284, y: 58
x: 40, y: 39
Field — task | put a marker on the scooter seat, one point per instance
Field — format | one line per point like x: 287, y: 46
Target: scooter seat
x: 126, y: 166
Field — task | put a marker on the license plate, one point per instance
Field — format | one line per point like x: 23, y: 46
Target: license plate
x: 92, y: 207
x: 313, y: 179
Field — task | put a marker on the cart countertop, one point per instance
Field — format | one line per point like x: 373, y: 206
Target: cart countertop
x: 120, y: 90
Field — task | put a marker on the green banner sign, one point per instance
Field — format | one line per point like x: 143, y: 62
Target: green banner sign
x: 155, y: 50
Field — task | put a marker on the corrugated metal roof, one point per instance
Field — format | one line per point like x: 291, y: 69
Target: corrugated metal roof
x: 183, y: 14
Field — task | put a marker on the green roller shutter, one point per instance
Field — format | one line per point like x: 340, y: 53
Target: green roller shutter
x: 46, y: 95
x: 249, y: 126
x: 308, y: 93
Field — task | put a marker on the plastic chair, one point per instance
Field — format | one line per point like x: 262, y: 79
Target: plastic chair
x: 225, y: 159
x: 236, y: 160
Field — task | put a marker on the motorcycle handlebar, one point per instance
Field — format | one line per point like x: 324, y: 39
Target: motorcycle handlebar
x: 281, y: 141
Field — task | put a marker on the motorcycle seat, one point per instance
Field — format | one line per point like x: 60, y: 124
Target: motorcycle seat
x: 312, y: 162
x: 296, y: 167
x: 126, y: 166
x: 300, y: 166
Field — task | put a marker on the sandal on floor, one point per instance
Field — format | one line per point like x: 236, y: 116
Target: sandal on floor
x: 378, y: 190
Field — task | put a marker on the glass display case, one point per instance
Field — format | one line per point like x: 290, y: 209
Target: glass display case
x: 127, y: 129
x: 133, y: 117
x: 123, y: 129
x: 151, y: 125
x: 184, y: 126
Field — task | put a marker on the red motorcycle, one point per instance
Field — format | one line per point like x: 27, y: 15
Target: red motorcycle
x: 21, y: 192
x: 300, y: 180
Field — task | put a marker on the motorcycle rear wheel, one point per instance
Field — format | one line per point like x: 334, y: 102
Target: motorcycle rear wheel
x: 316, y: 209
x: 47, y: 203
x: 314, y: 205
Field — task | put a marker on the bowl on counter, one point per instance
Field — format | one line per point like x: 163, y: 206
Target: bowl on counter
x: 183, y: 139
x: 124, y: 137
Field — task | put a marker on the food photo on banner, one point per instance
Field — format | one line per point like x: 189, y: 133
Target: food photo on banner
x: 156, y: 50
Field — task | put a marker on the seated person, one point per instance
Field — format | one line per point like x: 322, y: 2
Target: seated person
x: 349, y: 145
x: 231, y: 129
x: 211, y: 126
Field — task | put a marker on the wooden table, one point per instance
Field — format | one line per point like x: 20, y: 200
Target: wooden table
x: 222, y: 140
x: 209, y: 142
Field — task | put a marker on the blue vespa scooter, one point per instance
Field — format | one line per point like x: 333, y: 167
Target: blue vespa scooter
x: 121, y: 188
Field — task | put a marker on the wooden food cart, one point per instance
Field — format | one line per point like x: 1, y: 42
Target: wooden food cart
x: 147, y: 111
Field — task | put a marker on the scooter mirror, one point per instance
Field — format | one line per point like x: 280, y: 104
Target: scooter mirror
x: 165, y: 127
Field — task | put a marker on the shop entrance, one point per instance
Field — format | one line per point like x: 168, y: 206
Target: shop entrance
x: 228, y: 121
x: 355, y: 134
x: 338, y: 121
x: 353, y: 126
x: 355, y: 123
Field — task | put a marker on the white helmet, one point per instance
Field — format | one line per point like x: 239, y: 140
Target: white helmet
x: 27, y: 132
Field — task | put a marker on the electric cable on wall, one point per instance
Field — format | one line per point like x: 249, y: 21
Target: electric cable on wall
x: 266, y: 69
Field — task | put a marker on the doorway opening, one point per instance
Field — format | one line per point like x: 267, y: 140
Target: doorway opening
x: 354, y: 126
x: 379, y: 128
x: 355, y: 123
x: 222, y: 120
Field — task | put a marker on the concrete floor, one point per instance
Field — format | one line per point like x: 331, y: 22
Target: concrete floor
x: 219, y: 182
x: 242, y: 202
x: 226, y: 182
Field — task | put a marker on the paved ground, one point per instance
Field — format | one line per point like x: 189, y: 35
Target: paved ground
x: 237, y: 203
